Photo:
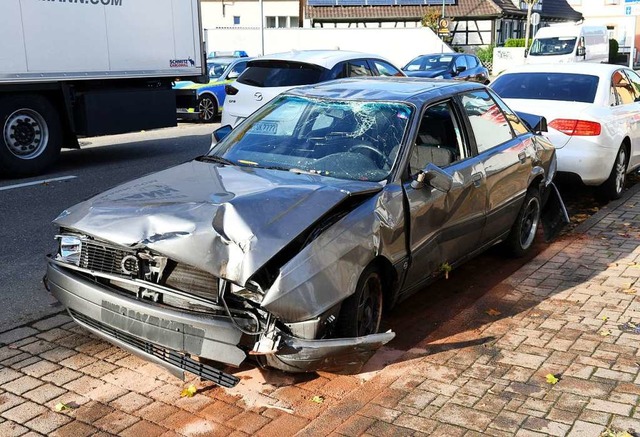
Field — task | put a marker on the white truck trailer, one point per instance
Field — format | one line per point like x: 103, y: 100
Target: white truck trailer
x: 72, y: 68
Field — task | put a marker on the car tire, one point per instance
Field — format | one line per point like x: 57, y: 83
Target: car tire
x: 613, y: 187
x: 30, y: 135
x: 524, y: 229
x: 361, y: 313
x: 208, y: 108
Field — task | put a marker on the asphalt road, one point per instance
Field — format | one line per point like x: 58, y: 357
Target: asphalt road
x: 26, y: 212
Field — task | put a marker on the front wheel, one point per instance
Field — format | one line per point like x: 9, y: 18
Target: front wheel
x: 208, y: 108
x: 523, y: 231
x: 30, y: 135
x: 361, y: 312
x: 614, y: 185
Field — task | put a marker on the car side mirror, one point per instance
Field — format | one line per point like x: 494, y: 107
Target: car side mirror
x: 219, y: 134
x: 233, y: 75
x: 582, y: 51
x: 526, y: 52
x: 535, y: 123
x: 435, y: 177
x: 460, y: 68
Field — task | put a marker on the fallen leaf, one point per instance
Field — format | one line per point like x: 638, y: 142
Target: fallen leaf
x: 317, y: 399
x: 629, y: 291
x: 551, y: 379
x: 189, y: 391
x: 605, y: 318
x: 493, y: 312
x: 62, y: 407
x: 605, y: 332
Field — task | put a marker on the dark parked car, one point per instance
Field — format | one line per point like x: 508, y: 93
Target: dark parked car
x: 459, y: 66
x: 288, y: 240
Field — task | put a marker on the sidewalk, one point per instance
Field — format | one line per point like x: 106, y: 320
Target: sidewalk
x: 570, y: 313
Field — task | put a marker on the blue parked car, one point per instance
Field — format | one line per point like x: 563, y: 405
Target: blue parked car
x: 460, y: 66
x: 222, y: 71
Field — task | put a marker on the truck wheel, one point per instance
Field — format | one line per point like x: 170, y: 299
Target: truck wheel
x: 613, y: 187
x: 30, y: 135
x: 523, y: 231
x: 208, y: 108
x: 361, y: 312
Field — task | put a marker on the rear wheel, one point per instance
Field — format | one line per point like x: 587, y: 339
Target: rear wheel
x: 523, y: 232
x: 30, y: 135
x: 613, y: 187
x: 361, y: 312
x: 208, y: 108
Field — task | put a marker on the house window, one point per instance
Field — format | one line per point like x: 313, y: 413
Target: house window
x: 281, y: 21
x: 236, y: 20
x: 536, y: 7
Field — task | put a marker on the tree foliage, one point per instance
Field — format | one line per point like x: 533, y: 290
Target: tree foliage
x: 431, y: 18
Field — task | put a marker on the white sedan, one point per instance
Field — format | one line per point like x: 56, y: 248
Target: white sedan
x: 268, y: 76
x: 593, y: 115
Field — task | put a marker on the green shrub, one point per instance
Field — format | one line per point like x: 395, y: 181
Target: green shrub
x: 516, y: 42
x: 613, y: 51
x: 485, y: 54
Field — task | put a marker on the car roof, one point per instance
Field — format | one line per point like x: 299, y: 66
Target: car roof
x: 587, y: 68
x: 324, y: 58
x: 228, y: 59
x: 384, y: 88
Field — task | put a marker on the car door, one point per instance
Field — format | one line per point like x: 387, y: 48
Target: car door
x: 444, y: 227
x: 633, y: 120
x: 507, y: 157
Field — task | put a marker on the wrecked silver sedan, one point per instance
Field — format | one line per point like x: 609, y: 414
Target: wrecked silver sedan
x: 300, y: 227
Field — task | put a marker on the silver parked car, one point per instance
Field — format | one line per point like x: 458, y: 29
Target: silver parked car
x: 300, y: 227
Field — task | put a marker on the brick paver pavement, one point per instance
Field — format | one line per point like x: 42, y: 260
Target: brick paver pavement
x: 570, y: 312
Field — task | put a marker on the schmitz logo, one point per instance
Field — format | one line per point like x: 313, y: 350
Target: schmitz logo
x: 179, y: 63
x: 89, y: 2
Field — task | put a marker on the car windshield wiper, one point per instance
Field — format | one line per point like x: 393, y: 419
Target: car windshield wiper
x: 216, y: 159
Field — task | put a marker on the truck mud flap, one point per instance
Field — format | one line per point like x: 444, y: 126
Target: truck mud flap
x: 554, y: 214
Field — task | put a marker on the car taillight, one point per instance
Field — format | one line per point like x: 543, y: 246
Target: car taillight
x: 580, y: 128
x: 230, y: 90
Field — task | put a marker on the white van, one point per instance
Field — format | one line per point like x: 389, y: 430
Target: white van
x: 563, y: 44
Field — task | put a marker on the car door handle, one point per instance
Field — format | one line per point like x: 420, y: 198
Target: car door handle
x: 522, y: 157
x: 476, y: 178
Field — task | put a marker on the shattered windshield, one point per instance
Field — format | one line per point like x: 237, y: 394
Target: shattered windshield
x: 357, y: 140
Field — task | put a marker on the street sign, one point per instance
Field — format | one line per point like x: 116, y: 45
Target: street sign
x: 632, y: 9
x: 535, y: 18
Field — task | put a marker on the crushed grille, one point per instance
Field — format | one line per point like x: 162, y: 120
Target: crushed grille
x: 101, y: 257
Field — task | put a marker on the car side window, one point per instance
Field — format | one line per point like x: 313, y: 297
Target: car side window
x: 472, y: 62
x: 439, y: 139
x: 358, y: 68
x: 385, y: 69
x: 516, y: 124
x: 622, y: 89
x: 635, y: 82
x: 238, y: 68
x: 490, y: 126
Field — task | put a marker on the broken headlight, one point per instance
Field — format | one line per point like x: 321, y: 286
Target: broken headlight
x: 69, y: 249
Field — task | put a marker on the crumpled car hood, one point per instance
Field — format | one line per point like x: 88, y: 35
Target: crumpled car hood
x: 226, y: 220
